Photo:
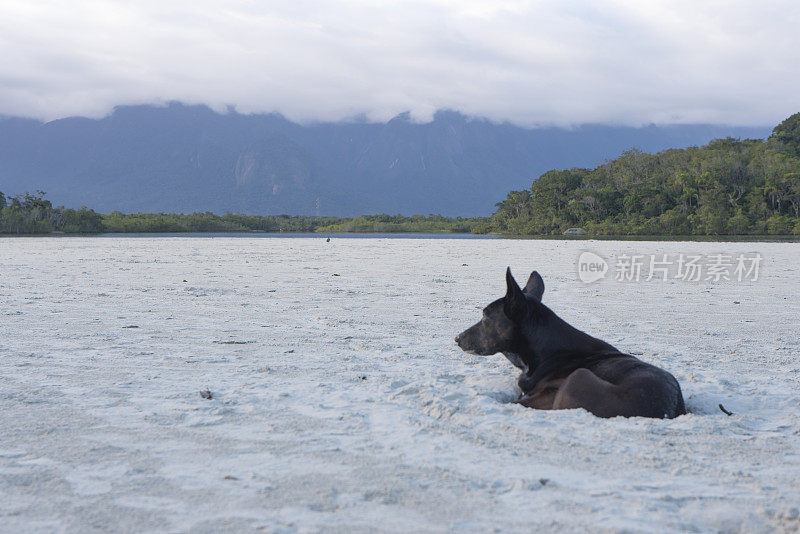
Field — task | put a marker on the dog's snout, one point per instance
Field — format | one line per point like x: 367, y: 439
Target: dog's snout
x: 458, y: 339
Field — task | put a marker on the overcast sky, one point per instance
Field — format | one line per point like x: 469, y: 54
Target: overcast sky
x: 531, y: 63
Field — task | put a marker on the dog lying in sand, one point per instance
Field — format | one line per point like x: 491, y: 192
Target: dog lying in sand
x: 565, y: 368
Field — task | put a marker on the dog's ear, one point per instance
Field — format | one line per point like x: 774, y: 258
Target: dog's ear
x: 535, y: 287
x: 514, y: 303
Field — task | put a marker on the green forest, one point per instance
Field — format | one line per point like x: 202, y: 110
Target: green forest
x: 728, y: 187
x: 432, y: 224
x: 31, y: 213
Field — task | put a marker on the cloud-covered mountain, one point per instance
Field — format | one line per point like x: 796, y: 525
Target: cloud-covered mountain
x: 182, y: 158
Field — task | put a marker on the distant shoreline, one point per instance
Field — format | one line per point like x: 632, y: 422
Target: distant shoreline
x: 421, y: 235
x: 31, y: 214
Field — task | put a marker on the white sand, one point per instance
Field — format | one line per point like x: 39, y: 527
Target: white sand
x: 345, y: 405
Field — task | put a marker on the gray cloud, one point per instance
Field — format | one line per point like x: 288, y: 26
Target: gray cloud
x: 546, y: 62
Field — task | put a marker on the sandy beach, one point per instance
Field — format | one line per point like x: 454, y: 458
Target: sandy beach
x: 340, y: 403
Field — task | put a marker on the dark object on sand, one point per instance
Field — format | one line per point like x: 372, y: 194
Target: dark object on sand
x: 726, y: 412
x: 565, y: 368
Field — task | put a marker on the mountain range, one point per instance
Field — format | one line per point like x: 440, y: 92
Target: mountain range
x: 187, y: 158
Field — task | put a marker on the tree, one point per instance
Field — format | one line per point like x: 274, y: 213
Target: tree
x: 516, y: 204
x: 787, y: 133
x: 792, y: 184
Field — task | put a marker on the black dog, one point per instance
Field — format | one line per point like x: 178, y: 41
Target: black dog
x: 563, y: 367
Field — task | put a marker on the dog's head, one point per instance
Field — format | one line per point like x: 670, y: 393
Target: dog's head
x: 501, y: 327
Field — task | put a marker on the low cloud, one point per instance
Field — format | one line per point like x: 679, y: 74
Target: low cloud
x: 531, y: 63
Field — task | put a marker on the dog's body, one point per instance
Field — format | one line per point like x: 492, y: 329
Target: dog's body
x: 563, y: 367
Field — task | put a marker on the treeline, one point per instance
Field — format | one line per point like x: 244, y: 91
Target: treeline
x: 726, y: 187
x: 31, y: 213
x: 117, y: 222
x: 431, y: 224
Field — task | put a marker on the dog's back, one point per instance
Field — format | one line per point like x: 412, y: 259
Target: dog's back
x: 607, y: 386
x: 649, y: 391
